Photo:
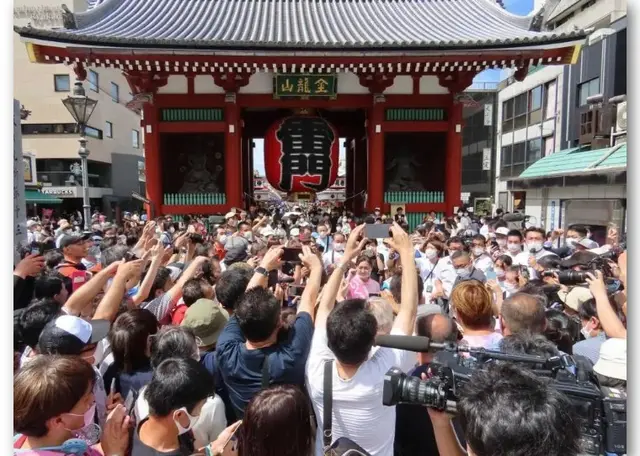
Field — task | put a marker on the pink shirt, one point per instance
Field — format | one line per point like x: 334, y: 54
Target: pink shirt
x: 359, y: 289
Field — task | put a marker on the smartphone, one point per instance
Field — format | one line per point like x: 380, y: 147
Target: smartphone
x: 273, y: 279
x: 377, y: 231
x: 130, y: 256
x: 231, y: 445
x: 296, y: 290
x: 291, y: 254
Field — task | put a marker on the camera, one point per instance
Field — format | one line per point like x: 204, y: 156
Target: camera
x: 599, y: 263
x: 604, y: 410
x: 567, y: 277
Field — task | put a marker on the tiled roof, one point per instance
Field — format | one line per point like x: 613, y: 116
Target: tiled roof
x: 317, y: 24
x: 577, y: 160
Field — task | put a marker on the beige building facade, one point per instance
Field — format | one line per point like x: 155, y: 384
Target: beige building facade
x: 115, y: 140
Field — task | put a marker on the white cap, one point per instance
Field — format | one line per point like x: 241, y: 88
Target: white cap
x: 294, y: 232
x: 588, y: 243
x: 502, y: 230
x: 267, y: 231
x: 230, y: 215
x: 613, y: 359
x: 31, y: 223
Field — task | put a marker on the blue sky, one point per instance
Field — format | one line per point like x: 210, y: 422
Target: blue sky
x: 520, y: 7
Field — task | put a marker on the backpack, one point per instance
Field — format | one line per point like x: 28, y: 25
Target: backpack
x: 343, y: 446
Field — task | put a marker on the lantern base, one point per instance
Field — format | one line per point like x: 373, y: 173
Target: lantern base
x: 301, y: 197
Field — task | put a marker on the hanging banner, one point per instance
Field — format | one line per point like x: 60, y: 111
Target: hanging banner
x: 301, y: 154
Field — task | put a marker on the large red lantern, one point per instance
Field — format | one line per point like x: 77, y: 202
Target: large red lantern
x: 301, y: 154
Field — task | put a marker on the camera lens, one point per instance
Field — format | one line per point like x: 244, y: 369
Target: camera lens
x: 400, y: 388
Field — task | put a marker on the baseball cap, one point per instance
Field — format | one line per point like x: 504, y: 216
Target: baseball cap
x: 588, y: 243
x: 578, y: 259
x: 613, y: 359
x: 206, y: 319
x: 502, y: 231
x: 71, y: 239
x: 575, y: 297
x: 31, y: 223
x: 69, y: 335
x: 236, y: 249
x: 230, y: 215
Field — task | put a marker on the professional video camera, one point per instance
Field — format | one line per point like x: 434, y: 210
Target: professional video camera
x: 597, y: 263
x: 603, y: 409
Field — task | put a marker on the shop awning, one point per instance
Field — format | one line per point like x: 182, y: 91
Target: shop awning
x: 36, y: 197
x: 577, y: 161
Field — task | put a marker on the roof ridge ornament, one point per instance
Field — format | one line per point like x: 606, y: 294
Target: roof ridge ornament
x: 68, y: 18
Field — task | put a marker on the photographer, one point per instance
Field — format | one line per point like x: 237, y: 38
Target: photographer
x: 507, y: 410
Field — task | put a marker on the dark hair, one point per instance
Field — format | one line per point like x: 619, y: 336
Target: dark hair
x: 440, y: 247
x: 580, y: 229
x: 172, y: 342
x: 231, y: 286
x: 113, y: 254
x: 270, y: 412
x: 201, y: 250
x: 549, y: 261
x: 48, y: 285
x: 516, y: 233
x: 561, y: 330
x: 522, y: 312
x: 132, y: 240
x: 48, y: 386
x: 588, y: 310
x: 128, y: 337
x: 34, y: 318
x: 454, y: 240
x: 160, y: 281
x: 192, y: 290
x: 176, y: 383
x: 500, y: 223
x: 527, y: 343
x: 479, y: 237
x: 53, y: 258
x: 507, y: 410
x: 395, y: 286
x: 459, y: 254
x: 108, y: 242
x: 351, y: 330
x: 506, y: 260
x: 535, y: 229
x: 258, y: 314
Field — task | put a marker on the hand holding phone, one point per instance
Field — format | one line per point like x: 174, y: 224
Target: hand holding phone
x: 377, y: 230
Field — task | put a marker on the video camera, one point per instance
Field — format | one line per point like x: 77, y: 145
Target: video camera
x: 598, y: 263
x: 604, y: 410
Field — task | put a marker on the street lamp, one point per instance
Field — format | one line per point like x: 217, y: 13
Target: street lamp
x: 80, y: 106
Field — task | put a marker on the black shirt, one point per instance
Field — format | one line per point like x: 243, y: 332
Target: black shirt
x: 138, y: 448
x: 128, y: 381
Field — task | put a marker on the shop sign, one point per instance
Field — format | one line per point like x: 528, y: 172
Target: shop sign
x: 305, y: 86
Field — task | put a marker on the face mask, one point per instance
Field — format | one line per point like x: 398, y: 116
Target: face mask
x: 338, y: 247
x: 477, y: 251
x: 513, y: 248
x: 322, y: 235
x: 536, y: 246
x: 89, y: 432
x: 193, y: 420
x: 463, y: 273
x: 88, y: 416
x: 501, y: 242
x: 586, y: 332
x: 499, y: 272
x: 248, y: 235
x: 172, y: 230
x: 571, y: 242
x: 431, y: 253
x: 509, y: 286
x: 222, y: 238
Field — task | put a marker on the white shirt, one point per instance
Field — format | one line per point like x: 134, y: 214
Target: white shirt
x: 483, y: 262
x: 523, y: 260
x: 429, y: 272
x: 357, y: 408
x: 447, y: 275
x: 331, y: 257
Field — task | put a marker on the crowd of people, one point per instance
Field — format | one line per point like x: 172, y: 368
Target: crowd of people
x: 257, y: 336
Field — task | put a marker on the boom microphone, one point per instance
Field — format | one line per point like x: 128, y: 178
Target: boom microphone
x: 410, y: 343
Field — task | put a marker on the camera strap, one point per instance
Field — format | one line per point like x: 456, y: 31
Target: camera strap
x: 327, y: 404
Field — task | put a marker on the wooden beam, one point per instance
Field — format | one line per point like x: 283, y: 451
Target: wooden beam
x: 192, y: 127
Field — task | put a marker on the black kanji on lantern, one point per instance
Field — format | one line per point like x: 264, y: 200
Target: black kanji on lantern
x: 306, y: 151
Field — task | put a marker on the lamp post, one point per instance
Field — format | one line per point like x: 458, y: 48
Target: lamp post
x: 81, y: 107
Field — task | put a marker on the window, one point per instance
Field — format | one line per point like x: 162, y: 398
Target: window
x: 92, y: 132
x: 517, y: 157
x: 108, y: 129
x: 588, y: 89
x: 135, y: 139
x: 535, y: 99
x: 534, y: 150
x: 61, y: 83
x: 550, y: 100
x: 50, y: 129
x: 93, y: 81
x: 588, y: 4
x: 115, y: 92
x: 520, y: 104
x: 507, y: 110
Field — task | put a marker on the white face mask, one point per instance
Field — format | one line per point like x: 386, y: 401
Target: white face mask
x: 536, y: 246
x: 571, y: 242
x: 501, y: 242
x: 499, y: 273
x: 477, y: 251
x: 513, y: 247
x: 338, y: 247
x: 322, y: 235
x: 193, y: 420
x: 431, y: 253
x: 586, y: 332
x: 463, y: 273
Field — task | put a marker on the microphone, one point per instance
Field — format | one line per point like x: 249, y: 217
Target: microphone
x: 409, y: 343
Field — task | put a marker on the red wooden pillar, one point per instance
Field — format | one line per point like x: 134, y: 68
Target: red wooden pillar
x: 153, y: 162
x: 453, y: 167
x: 375, y: 159
x: 232, y: 158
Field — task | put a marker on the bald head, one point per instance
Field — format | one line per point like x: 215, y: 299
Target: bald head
x: 522, y: 312
x: 437, y: 327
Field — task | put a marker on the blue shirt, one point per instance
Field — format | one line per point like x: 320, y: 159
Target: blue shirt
x: 590, y: 348
x: 241, y: 368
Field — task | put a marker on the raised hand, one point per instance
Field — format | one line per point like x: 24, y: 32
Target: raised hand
x: 309, y: 259
x: 29, y: 266
x: 271, y: 260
